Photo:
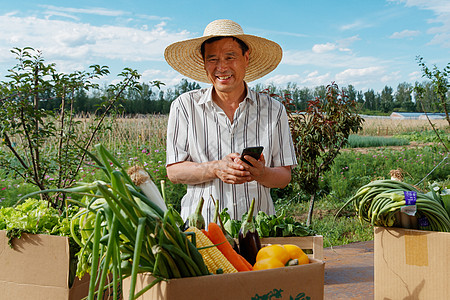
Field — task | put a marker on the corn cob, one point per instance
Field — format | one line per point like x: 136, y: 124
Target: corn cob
x: 214, y: 259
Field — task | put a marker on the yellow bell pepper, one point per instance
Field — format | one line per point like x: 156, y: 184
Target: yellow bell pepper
x: 276, y: 256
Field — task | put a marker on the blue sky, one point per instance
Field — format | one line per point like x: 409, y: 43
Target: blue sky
x: 369, y: 44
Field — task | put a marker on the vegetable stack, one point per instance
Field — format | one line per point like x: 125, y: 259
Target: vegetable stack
x: 217, y: 237
x: 384, y: 202
x: 277, y: 256
x: 249, y: 242
x: 216, y: 262
x: 123, y: 232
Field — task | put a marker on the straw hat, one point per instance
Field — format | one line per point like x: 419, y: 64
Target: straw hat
x: 185, y: 56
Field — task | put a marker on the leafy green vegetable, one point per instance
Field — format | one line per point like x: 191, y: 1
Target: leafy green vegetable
x: 34, y: 217
x: 280, y: 226
x: 268, y: 225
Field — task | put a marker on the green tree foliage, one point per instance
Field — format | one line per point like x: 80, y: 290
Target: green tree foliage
x: 427, y: 100
x: 386, y: 99
x: 183, y: 87
x: 350, y: 92
x: 44, y: 146
x: 370, y: 102
x: 403, y: 97
x: 360, y: 98
x: 319, y: 133
x: 146, y: 100
x: 440, y: 81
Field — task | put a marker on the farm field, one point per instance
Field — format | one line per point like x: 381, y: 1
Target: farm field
x: 141, y: 140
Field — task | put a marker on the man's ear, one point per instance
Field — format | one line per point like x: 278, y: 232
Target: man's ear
x: 247, y: 58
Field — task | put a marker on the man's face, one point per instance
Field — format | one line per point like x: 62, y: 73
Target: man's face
x: 225, y: 65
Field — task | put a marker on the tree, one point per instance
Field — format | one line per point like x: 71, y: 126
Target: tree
x: 360, y: 99
x: 320, y: 92
x: 183, y: 87
x: 306, y: 95
x: 427, y: 100
x: 386, y: 99
x: 403, y: 97
x: 351, y: 92
x: 81, y: 101
x: 440, y: 81
x: 46, y: 148
x: 319, y: 133
x: 369, y: 100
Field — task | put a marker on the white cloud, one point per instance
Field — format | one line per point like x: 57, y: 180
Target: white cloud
x: 73, y: 41
x: 404, y: 34
x: 347, y: 42
x: 350, y: 74
x: 274, y: 32
x: 315, y: 79
x: 415, y: 76
x: 50, y: 14
x: 283, y: 79
x: 321, y: 48
x: 70, y: 12
x: 441, y: 9
x: 390, y: 77
x: 363, y: 77
x: 332, y: 59
x: 93, y: 11
x: 358, y: 24
x: 311, y: 79
x: 438, y: 6
x: 341, y: 45
x: 169, y: 77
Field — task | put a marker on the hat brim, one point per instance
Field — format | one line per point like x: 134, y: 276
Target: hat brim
x: 185, y: 57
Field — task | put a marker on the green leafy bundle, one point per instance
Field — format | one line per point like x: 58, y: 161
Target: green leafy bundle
x: 122, y: 232
x: 385, y: 203
x: 268, y: 225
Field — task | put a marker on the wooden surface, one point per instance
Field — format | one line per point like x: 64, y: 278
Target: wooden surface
x: 349, y: 272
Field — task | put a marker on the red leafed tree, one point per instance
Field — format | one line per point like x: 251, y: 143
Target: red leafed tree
x: 319, y: 133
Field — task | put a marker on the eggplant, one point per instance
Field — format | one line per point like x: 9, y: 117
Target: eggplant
x: 249, y: 243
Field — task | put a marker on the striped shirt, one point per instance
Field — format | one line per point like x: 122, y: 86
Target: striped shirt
x: 199, y: 131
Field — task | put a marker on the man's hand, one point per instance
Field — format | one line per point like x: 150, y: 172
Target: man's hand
x: 275, y: 177
x: 230, y: 171
x: 226, y: 169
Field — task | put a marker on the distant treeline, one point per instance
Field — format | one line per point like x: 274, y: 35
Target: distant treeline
x: 151, y: 100
x: 369, y: 102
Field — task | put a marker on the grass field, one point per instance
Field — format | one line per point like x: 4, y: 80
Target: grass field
x: 391, y: 127
x: 141, y: 140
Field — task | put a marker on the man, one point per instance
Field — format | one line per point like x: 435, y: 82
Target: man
x: 208, y: 128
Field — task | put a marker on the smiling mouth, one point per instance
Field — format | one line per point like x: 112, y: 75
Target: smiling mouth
x: 224, y: 77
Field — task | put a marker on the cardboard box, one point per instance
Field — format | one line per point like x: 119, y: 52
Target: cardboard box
x: 411, y: 264
x: 37, y: 268
x: 296, y: 282
x: 313, y: 243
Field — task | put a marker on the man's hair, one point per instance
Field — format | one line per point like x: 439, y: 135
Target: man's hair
x: 243, y: 45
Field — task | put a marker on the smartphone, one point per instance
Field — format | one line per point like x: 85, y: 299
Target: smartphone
x: 254, y: 152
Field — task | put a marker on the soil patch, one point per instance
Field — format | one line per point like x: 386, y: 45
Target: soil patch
x: 369, y: 149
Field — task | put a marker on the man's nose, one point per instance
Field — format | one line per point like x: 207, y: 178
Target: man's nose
x: 222, y: 64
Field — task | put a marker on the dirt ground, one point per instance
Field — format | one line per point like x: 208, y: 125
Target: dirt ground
x: 368, y: 149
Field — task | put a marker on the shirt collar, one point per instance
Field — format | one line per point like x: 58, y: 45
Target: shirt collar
x: 207, y: 97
